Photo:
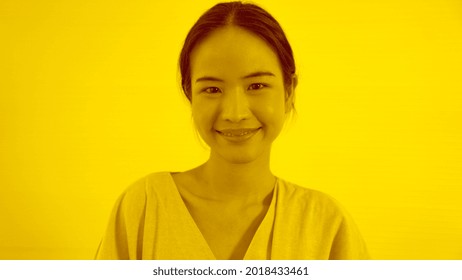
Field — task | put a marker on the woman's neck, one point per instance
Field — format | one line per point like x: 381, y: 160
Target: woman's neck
x: 223, y: 180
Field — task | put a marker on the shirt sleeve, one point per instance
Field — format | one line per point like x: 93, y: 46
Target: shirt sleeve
x: 121, y: 240
x: 348, y: 243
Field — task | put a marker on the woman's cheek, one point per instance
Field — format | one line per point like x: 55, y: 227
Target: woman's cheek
x: 272, y: 110
x: 272, y: 115
x: 203, y: 115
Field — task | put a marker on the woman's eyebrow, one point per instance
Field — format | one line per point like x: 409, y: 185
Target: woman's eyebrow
x: 251, y: 75
x: 208, y: 78
x: 258, y: 74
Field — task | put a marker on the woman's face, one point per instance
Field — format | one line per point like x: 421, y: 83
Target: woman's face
x: 238, y: 95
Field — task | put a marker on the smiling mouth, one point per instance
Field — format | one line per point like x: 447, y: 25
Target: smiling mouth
x: 237, y: 132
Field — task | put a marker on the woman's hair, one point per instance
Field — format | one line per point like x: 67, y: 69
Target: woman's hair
x: 249, y: 17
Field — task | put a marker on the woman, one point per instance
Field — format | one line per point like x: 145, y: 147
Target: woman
x: 238, y: 72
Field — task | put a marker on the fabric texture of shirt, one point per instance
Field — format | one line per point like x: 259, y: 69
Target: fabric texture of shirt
x: 151, y: 221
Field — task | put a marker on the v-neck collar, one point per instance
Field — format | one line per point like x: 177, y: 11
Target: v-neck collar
x: 260, y: 245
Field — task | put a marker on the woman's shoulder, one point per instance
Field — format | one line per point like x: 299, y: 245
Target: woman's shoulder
x: 294, y: 195
x: 296, y: 191
x: 322, y: 218
x: 148, y: 186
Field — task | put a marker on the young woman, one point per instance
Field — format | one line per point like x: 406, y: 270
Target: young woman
x: 238, y: 72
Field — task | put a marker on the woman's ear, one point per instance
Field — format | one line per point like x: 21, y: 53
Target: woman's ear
x: 290, y: 94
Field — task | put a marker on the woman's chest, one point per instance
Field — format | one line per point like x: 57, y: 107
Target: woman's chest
x: 227, y: 228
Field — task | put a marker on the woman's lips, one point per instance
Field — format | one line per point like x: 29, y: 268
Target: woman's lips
x: 237, y: 132
x: 238, y: 135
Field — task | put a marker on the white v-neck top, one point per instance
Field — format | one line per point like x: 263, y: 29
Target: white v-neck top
x: 151, y: 221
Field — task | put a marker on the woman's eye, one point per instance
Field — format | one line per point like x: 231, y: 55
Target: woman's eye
x: 212, y: 90
x: 256, y: 86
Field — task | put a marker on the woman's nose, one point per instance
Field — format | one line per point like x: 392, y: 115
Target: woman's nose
x: 235, y: 106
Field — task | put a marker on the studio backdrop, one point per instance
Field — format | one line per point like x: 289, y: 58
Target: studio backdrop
x: 90, y: 101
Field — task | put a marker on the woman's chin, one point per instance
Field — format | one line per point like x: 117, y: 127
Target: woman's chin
x: 242, y: 156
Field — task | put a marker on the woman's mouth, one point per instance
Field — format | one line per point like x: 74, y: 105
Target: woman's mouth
x: 238, y: 135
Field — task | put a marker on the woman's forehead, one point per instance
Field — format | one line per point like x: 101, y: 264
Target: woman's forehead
x: 233, y: 51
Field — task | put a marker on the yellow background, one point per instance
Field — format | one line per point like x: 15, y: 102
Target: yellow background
x: 90, y: 102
